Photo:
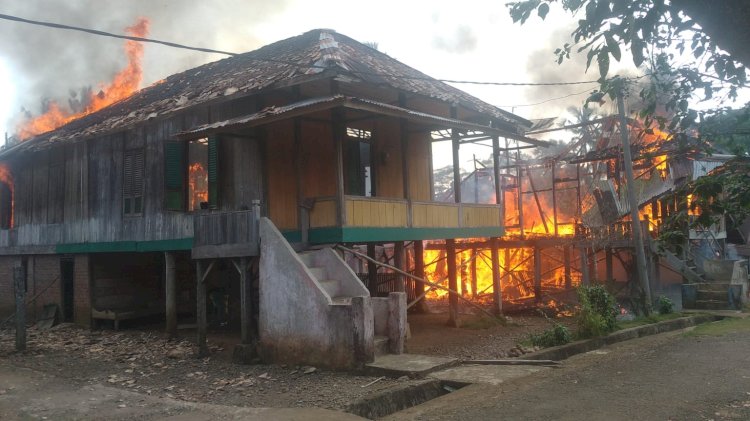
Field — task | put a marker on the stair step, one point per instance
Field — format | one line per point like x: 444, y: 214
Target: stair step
x: 712, y: 295
x: 713, y: 286
x: 331, y: 286
x: 318, y: 272
x: 381, y: 345
x: 712, y: 305
x: 307, y: 258
x: 341, y: 300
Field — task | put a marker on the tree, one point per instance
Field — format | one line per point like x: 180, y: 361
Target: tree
x: 654, y: 31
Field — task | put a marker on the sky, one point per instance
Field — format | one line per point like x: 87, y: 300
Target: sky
x: 471, y: 40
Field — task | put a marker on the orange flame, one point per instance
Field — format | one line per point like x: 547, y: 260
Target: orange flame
x: 6, y: 177
x: 124, y: 84
x: 198, y: 183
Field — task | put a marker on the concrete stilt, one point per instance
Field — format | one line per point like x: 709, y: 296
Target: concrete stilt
x: 200, y: 298
x: 399, y: 260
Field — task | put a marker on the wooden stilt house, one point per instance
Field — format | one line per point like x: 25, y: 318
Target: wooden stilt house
x: 123, y: 213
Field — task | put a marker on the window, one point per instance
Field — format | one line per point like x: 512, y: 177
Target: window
x: 358, y: 168
x: 132, y: 186
x: 191, y: 174
x: 198, y: 174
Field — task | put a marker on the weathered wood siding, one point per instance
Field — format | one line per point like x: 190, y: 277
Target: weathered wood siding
x: 282, y: 177
x: 371, y: 212
x: 388, y: 166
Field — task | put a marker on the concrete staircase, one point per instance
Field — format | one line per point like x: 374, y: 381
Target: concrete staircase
x: 711, y: 296
x: 332, y: 285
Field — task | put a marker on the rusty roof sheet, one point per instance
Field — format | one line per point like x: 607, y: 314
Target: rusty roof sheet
x: 292, y: 59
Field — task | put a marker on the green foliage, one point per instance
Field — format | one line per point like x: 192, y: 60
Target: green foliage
x: 554, y: 336
x: 597, y: 314
x: 652, y: 30
x: 723, y: 193
x: 664, y: 305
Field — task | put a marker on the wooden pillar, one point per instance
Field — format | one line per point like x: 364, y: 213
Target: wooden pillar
x: 593, y: 273
x: 453, y: 317
x: 537, y: 273
x: 372, y: 271
x: 399, y: 260
x: 497, y: 291
x: 519, y: 186
x: 19, y: 285
x: 170, y: 291
x: 404, y: 137
x: 246, y: 302
x: 608, y: 254
x: 200, y: 298
x: 499, y: 194
x: 419, y: 288
x: 554, y: 197
x: 566, y: 264
x: 455, y: 141
x: 473, y: 273
x: 585, y: 275
x: 339, y: 130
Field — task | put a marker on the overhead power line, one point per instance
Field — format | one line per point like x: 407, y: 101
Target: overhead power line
x: 211, y: 50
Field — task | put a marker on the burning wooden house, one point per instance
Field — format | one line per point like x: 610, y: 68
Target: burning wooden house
x: 191, y: 190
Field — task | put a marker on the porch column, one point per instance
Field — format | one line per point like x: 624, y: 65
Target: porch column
x: 497, y: 292
x: 404, y: 135
x: 372, y: 271
x: 170, y: 290
x: 419, y: 288
x: 455, y: 140
x: 537, y: 274
x: 499, y: 194
x: 399, y: 260
x: 339, y: 129
x: 453, y: 318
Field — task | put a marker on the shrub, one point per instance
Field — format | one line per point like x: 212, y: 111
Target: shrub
x: 554, y: 336
x: 664, y: 305
x: 597, y: 314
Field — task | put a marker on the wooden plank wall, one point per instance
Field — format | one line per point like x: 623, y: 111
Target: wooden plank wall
x: 282, y: 178
x: 387, y: 159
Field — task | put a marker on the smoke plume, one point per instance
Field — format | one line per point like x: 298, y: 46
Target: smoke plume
x: 53, y: 64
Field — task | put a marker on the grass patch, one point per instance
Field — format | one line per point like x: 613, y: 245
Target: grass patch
x: 720, y: 328
x: 654, y: 318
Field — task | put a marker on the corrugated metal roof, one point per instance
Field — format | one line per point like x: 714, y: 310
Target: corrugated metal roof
x: 275, y: 113
x: 292, y: 59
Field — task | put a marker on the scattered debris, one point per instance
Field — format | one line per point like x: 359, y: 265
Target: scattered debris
x: 372, y: 382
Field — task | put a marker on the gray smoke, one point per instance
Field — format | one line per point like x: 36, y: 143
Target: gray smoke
x: 543, y: 68
x: 461, y: 40
x: 58, y: 64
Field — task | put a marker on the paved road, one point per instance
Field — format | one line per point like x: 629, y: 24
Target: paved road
x: 670, y: 376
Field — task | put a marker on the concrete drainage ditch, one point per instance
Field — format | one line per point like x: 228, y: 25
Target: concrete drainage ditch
x: 401, y: 397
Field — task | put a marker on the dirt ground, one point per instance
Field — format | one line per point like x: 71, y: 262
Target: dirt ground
x: 143, y: 360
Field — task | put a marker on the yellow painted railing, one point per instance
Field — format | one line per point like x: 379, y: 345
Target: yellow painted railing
x: 395, y: 213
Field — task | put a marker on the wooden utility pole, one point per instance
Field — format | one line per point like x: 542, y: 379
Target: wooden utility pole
x: 640, y: 255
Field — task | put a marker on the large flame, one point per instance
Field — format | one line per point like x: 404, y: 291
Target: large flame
x: 124, y: 84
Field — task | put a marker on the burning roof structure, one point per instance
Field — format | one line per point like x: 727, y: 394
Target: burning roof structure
x: 316, y: 54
